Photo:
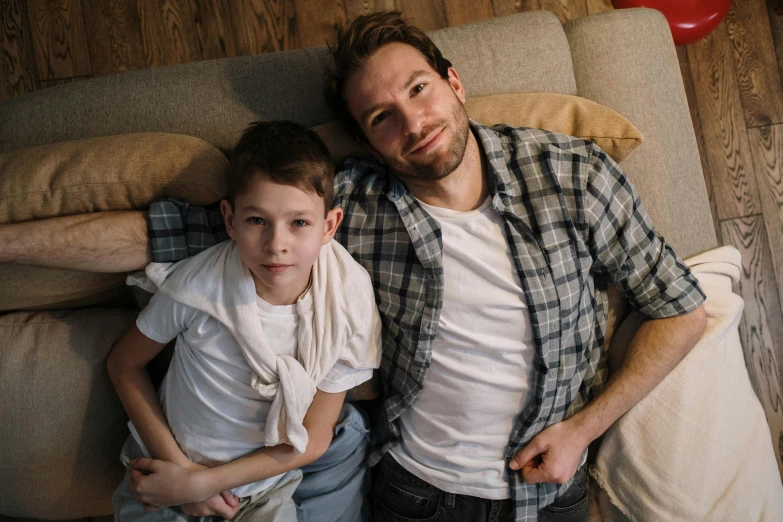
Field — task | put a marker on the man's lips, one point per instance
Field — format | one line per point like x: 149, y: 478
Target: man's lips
x: 427, y: 143
x: 276, y: 268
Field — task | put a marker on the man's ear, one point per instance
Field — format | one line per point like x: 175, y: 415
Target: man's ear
x: 333, y: 219
x: 228, y: 217
x: 456, y: 84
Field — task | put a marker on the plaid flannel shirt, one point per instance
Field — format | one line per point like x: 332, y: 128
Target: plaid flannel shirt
x: 574, y: 225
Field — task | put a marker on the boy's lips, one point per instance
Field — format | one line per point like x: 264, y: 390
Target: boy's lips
x: 276, y: 268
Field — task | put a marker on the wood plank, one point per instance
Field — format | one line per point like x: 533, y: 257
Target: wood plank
x: 319, y: 22
x: 776, y: 28
x: 427, y: 16
x: 754, y: 58
x: 506, y: 7
x: 767, y: 147
x: 45, y: 84
x: 264, y: 26
x: 599, y: 6
x: 16, y: 46
x: 690, y: 94
x: 214, y: 35
x: 354, y: 8
x: 459, y: 12
x: 761, y: 325
x: 566, y: 10
x: 725, y: 135
x: 168, y: 32
x: 59, y: 39
x: 114, y: 36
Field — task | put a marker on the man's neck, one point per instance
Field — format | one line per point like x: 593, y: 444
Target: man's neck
x: 463, y: 190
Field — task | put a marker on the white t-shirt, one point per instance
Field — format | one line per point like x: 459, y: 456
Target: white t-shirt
x: 455, y: 433
x: 213, y: 412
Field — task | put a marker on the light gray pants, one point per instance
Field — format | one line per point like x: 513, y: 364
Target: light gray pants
x: 273, y: 505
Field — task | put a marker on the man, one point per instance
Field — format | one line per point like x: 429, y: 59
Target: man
x: 490, y: 250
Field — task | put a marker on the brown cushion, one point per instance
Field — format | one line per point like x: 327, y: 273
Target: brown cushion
x: 109, y: 173
x: 63, y: 425
x: 561, y: 113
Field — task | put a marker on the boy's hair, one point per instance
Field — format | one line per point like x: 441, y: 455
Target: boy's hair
x: 361, y: 40
x: 283, y: 152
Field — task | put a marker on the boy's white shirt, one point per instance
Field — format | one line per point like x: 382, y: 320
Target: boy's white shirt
x: 342, y: 305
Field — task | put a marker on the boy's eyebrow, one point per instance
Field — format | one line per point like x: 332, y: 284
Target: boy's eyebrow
x: 413, y: 77
x: 295, y: 212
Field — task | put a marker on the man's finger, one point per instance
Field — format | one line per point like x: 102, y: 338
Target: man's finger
x: 525, y: 455
x: 533, y: 475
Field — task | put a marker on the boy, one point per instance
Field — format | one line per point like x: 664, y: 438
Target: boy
x: 260, y: 322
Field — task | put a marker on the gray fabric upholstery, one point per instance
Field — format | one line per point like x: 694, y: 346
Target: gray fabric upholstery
x: 625, y: 59
x: 215, y: 100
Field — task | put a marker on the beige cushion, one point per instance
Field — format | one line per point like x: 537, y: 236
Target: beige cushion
x: 63, y: 425
x: 698, y: 446
x: 561, y: 113
x: 110, y: 173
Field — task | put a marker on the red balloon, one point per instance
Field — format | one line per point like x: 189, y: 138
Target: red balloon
x: 689, y: 20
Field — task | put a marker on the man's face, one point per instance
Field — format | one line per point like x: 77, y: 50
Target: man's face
x: 413, y: 119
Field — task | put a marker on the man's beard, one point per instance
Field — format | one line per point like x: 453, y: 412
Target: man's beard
x: 440, y: 165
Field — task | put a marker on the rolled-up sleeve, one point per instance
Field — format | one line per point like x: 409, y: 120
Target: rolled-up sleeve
x: 628, y: 252
x: 178, y: 230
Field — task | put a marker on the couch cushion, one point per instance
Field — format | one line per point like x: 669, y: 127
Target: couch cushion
x: 698, y: 446
x: 63, y: 426
x: 561, y: 113
x: 110, y: 173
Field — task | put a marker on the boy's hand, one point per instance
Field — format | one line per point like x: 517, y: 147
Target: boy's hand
x: 224, y: 505
x: 158, y: 483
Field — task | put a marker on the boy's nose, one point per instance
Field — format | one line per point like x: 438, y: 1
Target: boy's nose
x: 275, y: 242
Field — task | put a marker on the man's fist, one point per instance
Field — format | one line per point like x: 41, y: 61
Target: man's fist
x: 551, y: 456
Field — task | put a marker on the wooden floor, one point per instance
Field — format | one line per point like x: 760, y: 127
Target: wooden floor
x: 732, y: 78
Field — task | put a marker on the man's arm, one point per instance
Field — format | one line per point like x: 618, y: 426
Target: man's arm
x: 167, y: 484
x: 627, y: 252
x: 95, y: 242
x: 658, y: 346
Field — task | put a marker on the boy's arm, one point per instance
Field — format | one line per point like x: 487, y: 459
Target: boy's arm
x: 169, y: 484
x: 127, y: 366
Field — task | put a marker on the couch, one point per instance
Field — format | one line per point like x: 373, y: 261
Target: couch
x: 62, y: 426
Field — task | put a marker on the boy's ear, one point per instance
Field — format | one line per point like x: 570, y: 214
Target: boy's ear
x: 333, y: 219
x: 228, y: 217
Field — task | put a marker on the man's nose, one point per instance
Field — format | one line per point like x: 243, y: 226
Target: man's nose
x: 412, y: 120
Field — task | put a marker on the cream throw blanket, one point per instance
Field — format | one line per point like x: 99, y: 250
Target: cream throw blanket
x: 698, y: 447
x: 217, y: 283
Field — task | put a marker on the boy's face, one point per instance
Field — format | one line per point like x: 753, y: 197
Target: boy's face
x: 414, y: 120
x: 279, y: 230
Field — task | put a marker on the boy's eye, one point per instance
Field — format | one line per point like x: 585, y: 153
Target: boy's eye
x: 256, y: 221
x: 379, y: 118
x: 300, y: 223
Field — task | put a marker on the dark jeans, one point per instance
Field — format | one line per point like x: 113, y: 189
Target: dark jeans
x: 400, y: 496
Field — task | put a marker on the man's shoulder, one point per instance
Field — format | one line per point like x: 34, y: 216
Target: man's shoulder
x: 361, y: 177
x: 528, y: 141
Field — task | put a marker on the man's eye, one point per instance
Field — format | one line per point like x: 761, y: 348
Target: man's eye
x: 418, y: 88
x: 379, y: 118
x: 256, y: 221
x: 300, y: 223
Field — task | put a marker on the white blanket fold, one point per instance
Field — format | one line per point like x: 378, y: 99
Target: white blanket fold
x: 217, y: 283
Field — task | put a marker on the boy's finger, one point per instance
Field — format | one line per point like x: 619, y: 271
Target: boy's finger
x: 229, y: 497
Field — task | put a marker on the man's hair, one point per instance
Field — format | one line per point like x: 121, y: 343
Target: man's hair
x: 362, y: 39
x: 283, y: 152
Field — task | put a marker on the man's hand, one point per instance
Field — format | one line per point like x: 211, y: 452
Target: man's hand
x: 551, y: 456
x: 224, y: 505
x: 158, y: 483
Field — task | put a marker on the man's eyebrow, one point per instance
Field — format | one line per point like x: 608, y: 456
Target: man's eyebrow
x: 413, y: 77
